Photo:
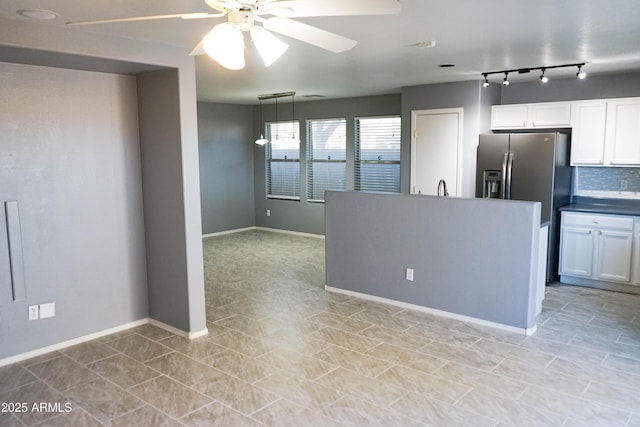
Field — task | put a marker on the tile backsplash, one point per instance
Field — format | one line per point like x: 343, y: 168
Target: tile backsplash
x: 606, y: 182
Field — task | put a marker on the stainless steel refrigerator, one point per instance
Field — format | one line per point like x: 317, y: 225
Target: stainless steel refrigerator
x: 528, y: 166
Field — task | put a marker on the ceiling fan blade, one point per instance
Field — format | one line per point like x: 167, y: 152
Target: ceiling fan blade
x: 302, y: 8
x: 308, y: 34
x: 198, y: 15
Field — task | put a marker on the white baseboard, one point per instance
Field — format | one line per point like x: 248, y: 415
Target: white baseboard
x: 72, y: 342
x: 509, y: 328
x: 295, y: 233
x: 179, y: 332
x: 273, y: 230
x: 221, y: 233
x: 100, y: 334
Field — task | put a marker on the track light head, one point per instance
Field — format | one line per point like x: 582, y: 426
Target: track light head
x: 581, y: 74
x: 505, y: 82
x: 543, y: 78
x: 486, y: 81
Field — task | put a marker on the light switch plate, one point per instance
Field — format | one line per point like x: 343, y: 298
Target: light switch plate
x: 47, y: 310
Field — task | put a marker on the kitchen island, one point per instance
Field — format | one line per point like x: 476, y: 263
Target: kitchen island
x: 471, y: 259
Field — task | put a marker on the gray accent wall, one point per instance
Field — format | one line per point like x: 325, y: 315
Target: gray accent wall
x: 303, y: 216
x: 468, y: 95
x: 165, y: 165
x: 90, y: 198
x: 572, y: 88
x: 472, y: 257
x: 72, y: 162
x: 225, y: 139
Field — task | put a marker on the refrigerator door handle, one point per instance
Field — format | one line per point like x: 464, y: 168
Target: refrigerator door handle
x: 509, y: 173
x: 503, y: 186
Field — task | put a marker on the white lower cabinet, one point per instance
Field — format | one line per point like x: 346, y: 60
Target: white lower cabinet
x: 598, y: 247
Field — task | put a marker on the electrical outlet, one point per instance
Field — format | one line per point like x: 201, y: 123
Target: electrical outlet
x: 34, y: 312
x: 268, y: 212
x: 624, y: 184
x: 47, y: 310
x: 409, y: 274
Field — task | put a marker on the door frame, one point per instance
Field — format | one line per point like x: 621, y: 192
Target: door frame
x: 414, y: 118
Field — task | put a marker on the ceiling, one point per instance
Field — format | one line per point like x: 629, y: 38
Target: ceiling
x: 476, y: 36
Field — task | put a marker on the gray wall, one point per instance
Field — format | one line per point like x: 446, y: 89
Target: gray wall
x: 164, y: 164
x: 303, y: 216
x: 72, y: 162
x: 476, y: 119
x: 570, y: 89
x: 473, y: 257
x: 225, y: 139
x: 84, y: 309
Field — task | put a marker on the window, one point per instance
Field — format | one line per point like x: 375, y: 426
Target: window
x: 283, y: 160
x: 377, y: 162
x: 326, y: 157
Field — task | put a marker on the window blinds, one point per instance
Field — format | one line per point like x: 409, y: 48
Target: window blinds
x: 377, y: 156
x: 326, y: 157
x: 283, y: 160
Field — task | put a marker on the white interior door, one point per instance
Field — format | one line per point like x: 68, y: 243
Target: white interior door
x: 436, y: 150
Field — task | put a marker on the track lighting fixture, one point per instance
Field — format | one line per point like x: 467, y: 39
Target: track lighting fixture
x: 543, y: 76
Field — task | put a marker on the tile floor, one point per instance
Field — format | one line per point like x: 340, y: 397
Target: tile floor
x: 283, y: 352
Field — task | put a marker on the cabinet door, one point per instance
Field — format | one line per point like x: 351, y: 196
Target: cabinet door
x: 613, y: 255
x: 509, y: 116
x: 576, y: 251
x: 623, y: 131
x: 548, y: 115
x: 588, y: 134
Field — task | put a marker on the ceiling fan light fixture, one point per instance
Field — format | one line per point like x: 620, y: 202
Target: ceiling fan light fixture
x: 269, y: 46
x: 225, y: 44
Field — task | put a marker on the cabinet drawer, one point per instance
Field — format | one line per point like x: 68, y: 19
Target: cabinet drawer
x: 598, y: 221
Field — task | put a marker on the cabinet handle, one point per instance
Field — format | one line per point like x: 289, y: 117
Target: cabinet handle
x: 590, y: 231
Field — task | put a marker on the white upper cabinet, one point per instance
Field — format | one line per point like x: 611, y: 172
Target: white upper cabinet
x: 531, y: 116
x: 605, y: 132
x: 588, y: 120
x: 509, y: 116
x: 623, y: 132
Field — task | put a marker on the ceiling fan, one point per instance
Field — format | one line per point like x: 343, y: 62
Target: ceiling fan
x: 225, y: 42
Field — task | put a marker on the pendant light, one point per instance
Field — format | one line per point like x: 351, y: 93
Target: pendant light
x: 262, y: 140
x: 294, y: 140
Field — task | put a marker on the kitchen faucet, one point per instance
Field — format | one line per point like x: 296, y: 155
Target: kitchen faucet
x: 443, y: 184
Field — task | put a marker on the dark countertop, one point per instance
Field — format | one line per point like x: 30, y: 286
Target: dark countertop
x: 603, y: 206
